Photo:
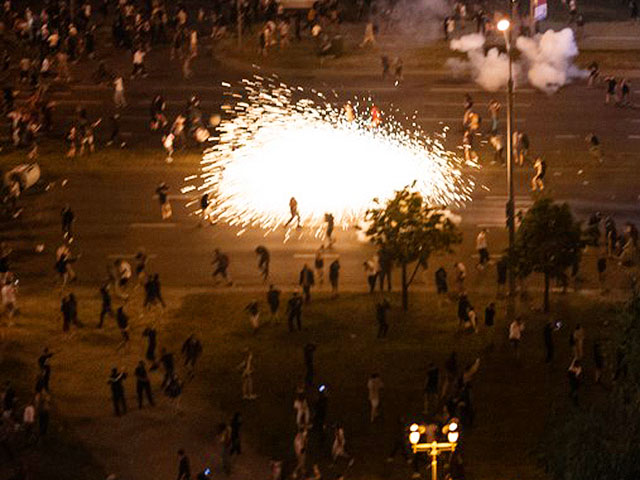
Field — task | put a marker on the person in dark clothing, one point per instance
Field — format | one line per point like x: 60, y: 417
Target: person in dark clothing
x: 106, y: 309
x: 166, y: 359
x: 490, y: 314
x: 236, y: 423
x: 8, y: 397
x: 431, y: 389
x: 575, y: 378
x: 221, y: 265
x: 294, y: 312
x: 381, y: 317
x: 334, y: 276
x: 150, y: 355
x: 143, y: 384
x: 386, y: 265
x: 330, y: 221
x: 264, y: 259
x: 441, y: 281
x: 115, y: 381
x: 122, y: 319
x: 598, y: 361
x: 306, y: 281
x: 273, y: 299
x: 67, y: 218
x: 547, y: 336
x: 184, y: 468
x: 45, y: 369
x: 115, y: 138
x: 463, y: 310
x: 67, y: 309
x: 501, y: 270
x: 320, y: 409
x: 309, y: 350
x: 191, y: 349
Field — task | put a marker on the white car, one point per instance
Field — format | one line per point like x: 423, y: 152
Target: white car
x: 26, y: 174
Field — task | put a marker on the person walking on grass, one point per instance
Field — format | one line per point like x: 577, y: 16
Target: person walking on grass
x: 306, y: 281
x: 273, y: 300
x: 116, y: 382
x: 577, y: 341
x: 122, y: 319
x: 481, y: 248
x: 106, y: 308
x: 334, y: 276
x: 547, y: 336
x: 294, y: 312
x: 184, y: 467
x: 191, y: 350
x: 246, y: 374
x: 374, y: 386
x: 574, y: 374
x: 381, y: 318
x: 515, y: 335
x: 338, y: 448
x: 143, y: 384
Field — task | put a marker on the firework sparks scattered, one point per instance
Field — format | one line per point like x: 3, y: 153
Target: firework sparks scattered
x: 276, y: 142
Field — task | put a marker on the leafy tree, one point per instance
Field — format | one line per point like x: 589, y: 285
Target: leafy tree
x: 407, y: 230
x: 548, y: 241
x: 602, y: 441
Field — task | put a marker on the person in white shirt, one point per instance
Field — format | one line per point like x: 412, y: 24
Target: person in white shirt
x: 118, y: 93
x: 515, y: 334
x: 138, y: 64
x: 481, y: 247
x: 374, y: 385
x: 29, y: 418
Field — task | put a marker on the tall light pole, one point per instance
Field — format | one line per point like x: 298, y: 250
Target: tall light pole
x: 434, y: 448
x: 506, y: 28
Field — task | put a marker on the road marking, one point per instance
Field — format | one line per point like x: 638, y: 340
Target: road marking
x: 567, y: 135
x: 504, y: 197
x: 313, y: 255
x: 452, y: 119
x: 473, y: 89
x: 615, y: 38
x: 459, y: 104
x: 634, y: 137
x: 181, y: 197
x: 493, y: 225
x: 153, y: 225
x: 115, y: 256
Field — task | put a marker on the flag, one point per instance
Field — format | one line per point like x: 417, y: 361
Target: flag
x: 539, y: 10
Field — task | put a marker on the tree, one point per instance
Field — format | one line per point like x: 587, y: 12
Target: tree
x: 548, y: 241
x: 407, y: 230
x: 602, y: 441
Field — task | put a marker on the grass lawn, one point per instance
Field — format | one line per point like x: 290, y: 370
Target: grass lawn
x: 512, y: 398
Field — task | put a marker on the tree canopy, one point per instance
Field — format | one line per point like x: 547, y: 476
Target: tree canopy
x: 548, y: 241
x: 407, y: 230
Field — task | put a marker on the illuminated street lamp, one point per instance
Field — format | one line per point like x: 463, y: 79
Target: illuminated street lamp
x: 434, y: 448
x: 506, y: 28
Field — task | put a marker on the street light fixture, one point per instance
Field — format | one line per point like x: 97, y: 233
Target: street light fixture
x: 434, y: 448
x: 506, y: 28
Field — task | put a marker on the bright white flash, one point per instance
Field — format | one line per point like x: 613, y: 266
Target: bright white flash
x: 274, y: 146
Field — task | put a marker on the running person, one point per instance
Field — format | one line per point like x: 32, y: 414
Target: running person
x: 540, y: 167
x: 295, y: 214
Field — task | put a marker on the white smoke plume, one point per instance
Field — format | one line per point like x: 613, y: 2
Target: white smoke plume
x: 549, y: 59
x: 546, y: 59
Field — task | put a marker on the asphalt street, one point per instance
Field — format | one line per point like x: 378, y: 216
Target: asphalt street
x: 117, y: 213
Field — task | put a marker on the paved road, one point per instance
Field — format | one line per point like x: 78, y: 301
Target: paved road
x: 117, y: 214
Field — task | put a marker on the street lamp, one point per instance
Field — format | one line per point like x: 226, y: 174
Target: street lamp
x: 506, y: 28
x: 434, y: 448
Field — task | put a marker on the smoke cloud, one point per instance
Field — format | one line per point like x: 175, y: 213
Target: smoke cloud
x: 546, y: 61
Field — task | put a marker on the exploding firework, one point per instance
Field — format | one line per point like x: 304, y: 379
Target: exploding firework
x: 277, y: 142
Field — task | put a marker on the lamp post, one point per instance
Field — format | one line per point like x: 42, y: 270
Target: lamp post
x: 505, y: 27
x: 434, y: 448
